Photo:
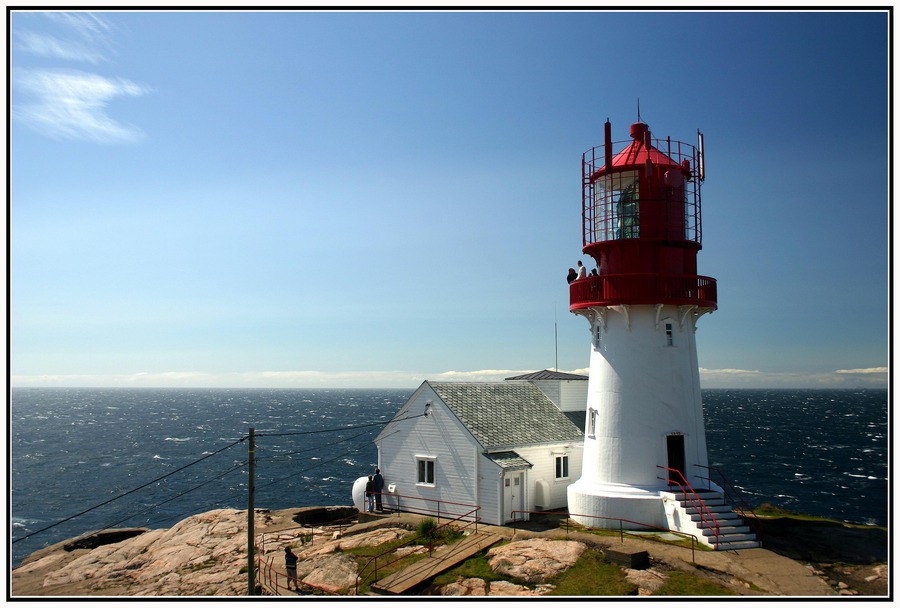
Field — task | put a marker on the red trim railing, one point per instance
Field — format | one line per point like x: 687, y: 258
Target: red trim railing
x: 395, y: 502
x: 470, y: 517
x: 643, y: 288
x: 622, y: 530
x: 733, y: 495
x: 706, y: 516
x: 268, y: 575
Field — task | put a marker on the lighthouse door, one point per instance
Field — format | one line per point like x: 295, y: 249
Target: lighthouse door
x: 513, y: 495
x: 675, y: 455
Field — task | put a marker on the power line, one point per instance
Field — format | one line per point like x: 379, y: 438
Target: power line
x: 115, y: 498
x: 179, y: 495
x: 242, y: 439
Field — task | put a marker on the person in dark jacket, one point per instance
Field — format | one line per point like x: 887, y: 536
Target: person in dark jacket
x: 290, y: 564
x: 379, y: 487
x: 370, y: 493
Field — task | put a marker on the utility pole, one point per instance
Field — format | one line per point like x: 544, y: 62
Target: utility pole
x: 251, y: 534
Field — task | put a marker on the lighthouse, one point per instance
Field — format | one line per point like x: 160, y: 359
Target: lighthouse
x: 645, y: 442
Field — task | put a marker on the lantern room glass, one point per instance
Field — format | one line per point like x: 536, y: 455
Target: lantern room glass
x: 617, y: 206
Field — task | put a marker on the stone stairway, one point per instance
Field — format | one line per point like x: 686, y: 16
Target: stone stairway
x: 690, y: 517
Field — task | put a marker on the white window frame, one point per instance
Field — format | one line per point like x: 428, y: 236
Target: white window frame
x: 423, y: 464
x: 592, y: 422
x: 561, y: 467
x: 669, y: 327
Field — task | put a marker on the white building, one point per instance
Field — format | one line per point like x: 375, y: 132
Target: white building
x: 505, y: 447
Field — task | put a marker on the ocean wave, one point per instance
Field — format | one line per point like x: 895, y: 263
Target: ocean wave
x: 178, y: 439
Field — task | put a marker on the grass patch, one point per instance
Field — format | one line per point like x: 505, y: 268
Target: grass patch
x: 476, y: 566
x: 592, y: 575
x: 770, y: 510
x: 683, y: 583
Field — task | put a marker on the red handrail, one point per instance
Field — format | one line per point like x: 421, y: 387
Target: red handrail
x: 622, y: 531
x: 696, y: 501
x: 472, y: 513
x: 736, y: 498
x: 267, y: 573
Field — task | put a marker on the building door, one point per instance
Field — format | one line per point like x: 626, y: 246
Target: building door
x: 675, y: 455
x: 514, y: 496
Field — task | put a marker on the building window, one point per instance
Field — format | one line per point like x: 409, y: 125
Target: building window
x: 562, y: 467
x: 597, y: 336
x: 669, y: 338
x: 592, y: 422
x: 425, y: 468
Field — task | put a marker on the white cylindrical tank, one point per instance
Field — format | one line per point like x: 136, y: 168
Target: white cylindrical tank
x: 644, y: 414
x: 358, y: 492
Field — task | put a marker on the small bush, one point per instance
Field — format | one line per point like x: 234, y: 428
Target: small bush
x: 427, y: 528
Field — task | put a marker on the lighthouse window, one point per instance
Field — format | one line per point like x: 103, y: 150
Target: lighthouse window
x: 597, y: 336
x: 669, y: 337
x: 562, y: 467
x: 616, y: 206
x: 425, y: 467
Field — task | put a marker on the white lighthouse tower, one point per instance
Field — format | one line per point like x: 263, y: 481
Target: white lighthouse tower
x: 645, y: 443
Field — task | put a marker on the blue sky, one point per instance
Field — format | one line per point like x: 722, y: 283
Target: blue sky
x: 371, y: 199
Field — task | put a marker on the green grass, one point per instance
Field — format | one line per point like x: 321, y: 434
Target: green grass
x: 682, y: 583
x: 592, y: 575
x: 474, y: 567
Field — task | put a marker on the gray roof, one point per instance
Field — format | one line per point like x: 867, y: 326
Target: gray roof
x: 546, y: 374
x: 501, y: 414
x: 509, y: 460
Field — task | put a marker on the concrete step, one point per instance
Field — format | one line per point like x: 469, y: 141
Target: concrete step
x: 730, y: 531
x: 690, y: 508
x: 740, y: 544
x: 721, y: 517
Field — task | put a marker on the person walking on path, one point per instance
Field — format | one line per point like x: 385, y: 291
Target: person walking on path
x: 290, y: 564
x: 379, y: 486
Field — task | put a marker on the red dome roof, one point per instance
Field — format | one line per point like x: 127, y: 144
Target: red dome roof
x: 639, y: 150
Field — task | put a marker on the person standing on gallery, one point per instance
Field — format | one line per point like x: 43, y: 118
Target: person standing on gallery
x: 379, y: 486
x: 582, y: 271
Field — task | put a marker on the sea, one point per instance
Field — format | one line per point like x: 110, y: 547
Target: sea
x: 89, y: 459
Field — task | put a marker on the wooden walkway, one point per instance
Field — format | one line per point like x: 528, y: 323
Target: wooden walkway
x: 441, y: 561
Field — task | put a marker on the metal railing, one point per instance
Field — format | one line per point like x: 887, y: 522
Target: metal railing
x: 469, y: 517
x: 622, y: 530
x: 733, y: 495
x: 643, y: 288
x: 706, y: 516
x: 269, y: 575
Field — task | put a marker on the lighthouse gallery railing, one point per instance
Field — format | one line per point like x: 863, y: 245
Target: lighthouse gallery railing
x: 644, y: 288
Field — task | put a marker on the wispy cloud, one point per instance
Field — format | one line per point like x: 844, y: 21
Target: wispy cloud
x: 73, y: 104
x: 864, y: 370
x: 68, y: 103
x: 46, y: 45
x: 89, y: 26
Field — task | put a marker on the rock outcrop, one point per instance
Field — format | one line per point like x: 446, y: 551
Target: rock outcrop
x: 535, y: 560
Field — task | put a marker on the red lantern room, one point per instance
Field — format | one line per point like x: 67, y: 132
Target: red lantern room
x: 641, y: 220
